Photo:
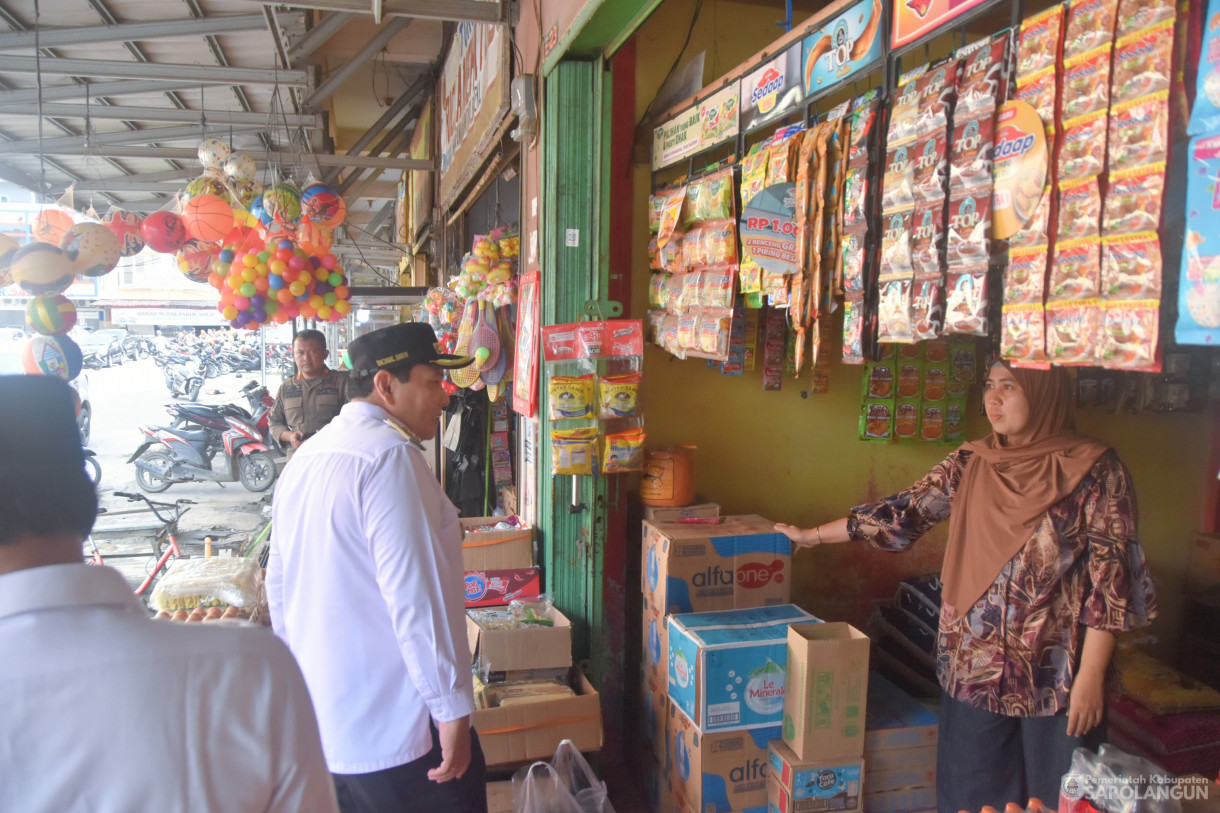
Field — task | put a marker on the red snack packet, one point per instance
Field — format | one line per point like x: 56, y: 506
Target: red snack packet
x: 1025, y: 277
x: 970, y: 158
x: 928, y: 239
x: 936, y: 89
x: 1133, y: 201
x: 1076, y: 269
x: 1090, y: 23
x: 1143, y: 62
x: 968, y: 231
x: 931, y: 167
x: 1073, y: 331
x: 1139, y: 131
x: 982, y: 78
x: 1086, y: 83
x: 1082, y: 150
x: 1136, y: 15
x: 1040, y: 91
x: 1079, y: 209
x: 1035, y: 232
x: 896, y: 244
x: 1022, y: 335
x: 1129, y: 334
x: 1132, y: 267
x: 966, y: 302
x: 1038, y: 41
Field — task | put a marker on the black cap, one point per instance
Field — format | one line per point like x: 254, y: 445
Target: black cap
x: 394, y: 346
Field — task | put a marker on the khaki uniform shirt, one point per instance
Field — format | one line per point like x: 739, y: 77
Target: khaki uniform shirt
x: 306, y: 405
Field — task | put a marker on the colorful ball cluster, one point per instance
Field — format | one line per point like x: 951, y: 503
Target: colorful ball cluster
x: 277, y: 282
x: 50, y: 315
x: 486, y: 274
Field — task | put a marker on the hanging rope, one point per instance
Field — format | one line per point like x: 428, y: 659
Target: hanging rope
x: 42, y: 158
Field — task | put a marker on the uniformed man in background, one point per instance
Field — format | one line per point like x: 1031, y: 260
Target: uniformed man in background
x: 312, y: 398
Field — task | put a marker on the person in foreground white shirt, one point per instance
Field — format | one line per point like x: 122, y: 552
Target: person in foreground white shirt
x: 105, y: 709
x: 365, y: 585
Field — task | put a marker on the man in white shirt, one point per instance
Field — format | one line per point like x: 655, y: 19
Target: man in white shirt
x: 105, y: 709
x: 365, y: 585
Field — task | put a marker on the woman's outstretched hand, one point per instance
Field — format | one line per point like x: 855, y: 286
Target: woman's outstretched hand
x: 801, y: 537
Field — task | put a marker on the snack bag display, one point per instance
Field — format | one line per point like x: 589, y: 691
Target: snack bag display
x: 1079, y: 209
x: 935, y: 383
x: 1073, y: 331
x: 618, y: 396
x: 571, y: 397
x: 898, y: 185
x: 1076, y: 269
x: 670, y: 214
x: 715, y: 200
x: 1132, y: 266
x: 1025, y: 277
x: 863, y: 118
x: 973, y: 147
x: 853, y: 263
x: 1023, y: 332
x: 656, y: 206
x: 1090, y: 24
x: 1133, y: 200
x: 853, y: 331
x: 982, y: 77
x: 906, y: 419
x: 968, y: 230
x: 623, y: 451
x: 855, y: 199
x: 1143, y: 62
x: 966, y: 302
x: 931, y: 167
x: 1139, y: 131
x: 1086, y: 83
x: 754, y: 171
x: 1129, y: 333
x: 574, y: 451
x: 1082, y: 150
x: 932, y: 422
x: 1038, y: 41
x: 877, y: 421
x: 714, y: 334
x: 717, y: 287
x: 1136, y: 15
x: 909, y: 375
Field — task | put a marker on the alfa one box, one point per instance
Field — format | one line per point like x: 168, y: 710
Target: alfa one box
x: 655, y: 658
x: 495, y: 550
x: 721, y: 772
x: 694, y: 568
x: 798, y: 786
x: 655, y: 710
x: 726, y: 669
x: 828, y: 688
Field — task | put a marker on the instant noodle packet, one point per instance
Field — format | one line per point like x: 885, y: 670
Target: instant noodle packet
x: 618, y: 395
x: 571, y: 396
x: 1143, y: 62
x: 1086, y: 83
x: 1041, y: 92
x: 1133, y: 201
x: 1023, y: 332
x: 1082, y: 150
x: 1076, y: 270
x: 1079, y: 209
x: 1035, y: 232
x: 1073, y: 331
x: 1129, y: 329
x: 1025, y: 277
x: 623, y: 451
x: 1090, y: 24
x: 1038, y: 41
x: 1132, y: 267
x: 1136, y: 15
x: 973, y: 148
x: 1139, y: 131
x: 574, y: 451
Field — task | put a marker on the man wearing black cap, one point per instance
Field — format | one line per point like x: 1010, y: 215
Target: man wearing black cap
x: 365, y: 585
x: 104, y: 708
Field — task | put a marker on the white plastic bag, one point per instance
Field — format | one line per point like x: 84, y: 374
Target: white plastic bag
x: 565, y: 785
x: 1117, y: 782
x: 588, y: 791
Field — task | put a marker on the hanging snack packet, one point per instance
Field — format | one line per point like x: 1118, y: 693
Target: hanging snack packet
x: 1073, y: 331
x: 898, y: 185
x: 1023, y: 331
x: 853, y: 263
x: 754, y: 172
x: 973, y: 147
x: 1076, y: 269
x: 716, y: 199
x: 853, y: 331
x: 894, y: 312
x: 1040, y: 91
x: 877, y: 421
x: 937, y: 88
x: 904, y: 113
x: 618, y: 395
x: 1139, y: 131
x: 657, y: 298
x: 574, y: 451
x: 623, y: 451
x: 1136, y: 15
x: 672, y: 254
x: 968, y: 232
x: 925, y: 306
x: 1086, y: 83
x: 749, y: 276
x: 1079, y: 209
x: 1133, y: 200
x: 1129, y: 333
x: 690, y: 208
x: 1143, y: 62
x: 692, y: 250
x: 863, y: 118
x: 955, y: 422
x: 931, y: 167
x: 966, y: 302
x: 879, y: 380
x: 674, y: 286
x: 928, y: 239
x: 719, y: 242
x: 1090, y: 24
x: 982, y: 80
x: 932, y: 422
x: 688, y: 331
x: 855, y: 199
x: 896, y: 244
x: 692, y: 291
x: 718, y: 281
x: 906, y: 419
x: 1038, y: 41
x: 674, y: 200
x: 1035, y: 232
x: 655, y: 256
x: 1082, y: 152
x: 1132, y: 268
x: 656, y: 206
x: 1025, y: 277
x: 571, y: 397
x: 781, y: 167
x: 714, y: 334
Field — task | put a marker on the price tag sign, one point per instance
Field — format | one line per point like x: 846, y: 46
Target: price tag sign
x: 768, y: 228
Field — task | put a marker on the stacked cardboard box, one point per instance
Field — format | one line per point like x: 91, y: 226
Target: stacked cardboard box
x: 900, y: 749
x: 819, y: 763
x: 499, y: 565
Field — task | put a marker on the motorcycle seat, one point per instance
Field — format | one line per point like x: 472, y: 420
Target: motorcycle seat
x: 185, y: 434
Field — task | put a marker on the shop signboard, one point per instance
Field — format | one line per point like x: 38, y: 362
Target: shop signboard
x: 420, y: 182
x: 843, y: 46
x: 166, y: 316
x: 773, y: 90
x: 719, y: 116
x: 768, y: 229
x: 473, y: 101
x: 917, y: 18
x: 677, y: 138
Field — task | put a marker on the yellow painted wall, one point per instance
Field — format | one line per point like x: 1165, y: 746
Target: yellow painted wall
x: 797, y: 458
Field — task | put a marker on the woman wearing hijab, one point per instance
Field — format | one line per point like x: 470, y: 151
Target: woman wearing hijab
x: 1042, y: 568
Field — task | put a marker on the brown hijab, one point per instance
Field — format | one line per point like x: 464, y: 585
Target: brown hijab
x: 1005, y: 490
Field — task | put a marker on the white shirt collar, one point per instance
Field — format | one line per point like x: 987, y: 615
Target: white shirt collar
x: 68, y: 585
x: 365, y: 409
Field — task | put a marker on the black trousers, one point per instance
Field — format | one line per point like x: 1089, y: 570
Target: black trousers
x: 984, y: 758
x: 407, y: 788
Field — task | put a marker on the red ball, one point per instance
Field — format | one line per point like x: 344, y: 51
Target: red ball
x: 164, y: 232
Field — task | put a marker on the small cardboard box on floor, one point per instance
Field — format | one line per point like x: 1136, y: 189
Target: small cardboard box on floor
x: 830, y: 784
x: 495, y: 550
x: 824, y: 707
x: 721, y: 772
x: 529, y: 731
x: 690, y: 568
x: 726, y: 669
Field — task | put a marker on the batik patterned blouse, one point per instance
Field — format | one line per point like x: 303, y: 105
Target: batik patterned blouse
x: 1015, y: 652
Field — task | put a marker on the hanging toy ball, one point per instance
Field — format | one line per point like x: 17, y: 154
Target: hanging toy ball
x: 92, y: 248
x: 213, y: 153
x: 205, y: 185
x: 50, y: 315
x: 282, y: 202
x: 322, y: 204
x: 208, y: 218
x: 195, y: 260
x: 52, y: 355
x: 8, y: 247
x: 126, y: 227
x: 240, y: 167
x: 164, y: 232
x: 51, y: 224
x: 41, y: 269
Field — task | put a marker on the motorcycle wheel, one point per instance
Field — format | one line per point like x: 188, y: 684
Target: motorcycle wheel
x: 225, y: 367
x: 193, y: 387
x: 93, y: 470
x: 150, y: 482
x: 256, y: 471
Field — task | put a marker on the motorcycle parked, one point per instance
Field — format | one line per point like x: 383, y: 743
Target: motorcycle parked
x: 169, y: 456
x: 194, y: 416
x: 183, y: 379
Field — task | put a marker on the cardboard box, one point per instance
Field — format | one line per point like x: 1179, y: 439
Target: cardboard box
x: 827, y: 675
x: 655, y: 709
x: 900, y: 801
x: 720, y: 772
x: 499, y: 797
x: 495, y: 550
x: 1203, y: 572
x: 700, y: 510
x: 920, y: 758
x: 801, y: 786
x: 654, y: 660
x: 882, y: 781
x: 694, y: 568
x: 726, y: 669
x: 654, y: 784
x: 491, y: 588
x: 895, y: 719
x: 531, y: 647
x: 531, y: 731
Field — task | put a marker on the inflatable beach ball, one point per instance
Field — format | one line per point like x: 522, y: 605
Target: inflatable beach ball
x: 282, y: 202
x: 205, y: 185
x: 92, y: 248
x: 50, y: 315
x: 8, y: 248
x: 241, y: 167
x: 195, y: 260
x: 126, y: 227
x: 213, y: 152
x: 164, y: 232
x: 51, y: 224
x: 52, y: 355
x: 42, y: 269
